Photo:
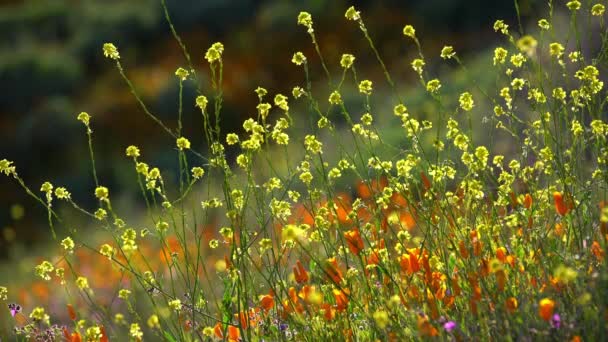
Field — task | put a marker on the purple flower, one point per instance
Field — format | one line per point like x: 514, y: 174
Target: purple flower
x: 556, y: 321
x: 449, y: 326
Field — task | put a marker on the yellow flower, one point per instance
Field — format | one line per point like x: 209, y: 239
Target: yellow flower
x: 447, y: 52
x: 182, y: 74
x: 214, y: 53
x: 574, y: 5
x: 499, y: 25
x: 598, y: 10
x: 102, y: 193
x: 153, y: 322
x: 500, y: 55
x: 68, y: 244
x: 39, y: 315
x: 466, y: 101
x: 198, y: 172
x: 175, y: 305
x: 183, y: 143
x: 527, y: 44
x: 93, y: 333
x: 298, y: 58
x: 409, y: 31
x: 347, y: 60
x: 106, y: 250
x: 365, y: 87
x: 124, y: 294
x: 82, y: 283
x: 433, y: 86
x: 556, y: 49
x: 305, y: 19
x: 352, y: 14
x: 381, y: 318
x: 544, y: 24
x: 135, y: 331
x: 335, y: 98
x: 132, y: 151
x: 201, y: 102
x: 417, y: 65
x: 110, y: 51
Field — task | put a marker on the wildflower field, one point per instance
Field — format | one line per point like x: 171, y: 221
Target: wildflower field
x: 480, y: 213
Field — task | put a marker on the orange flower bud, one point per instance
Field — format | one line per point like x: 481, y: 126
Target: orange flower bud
x: 527, y: 201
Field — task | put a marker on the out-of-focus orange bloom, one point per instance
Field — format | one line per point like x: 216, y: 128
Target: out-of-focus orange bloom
x: 217, y: 330
x: 292, y: 303
x: 71, y: 312
x: 510, y: 260
x: 414, y: 264
x: 341, y: 297
x: 473, y: 306
x: 398, y: 201
x: 559, y: 229
x: 425, y: 327
x: 41, y: 290
x: 267, y: 302
x: 309, y: 294
x: 104, y: 336
x: 477, y: 244
x: 233, y: 333
x: 249, y: 318
x: 364, y: 191
x: 333, y: 271
x: 501, y: 254
x: 300, y: 212
x: 343, y: 207
x: 354, y: 241
x: 455, y: 287
x: 73, y: 337
x: 425, y: 180
x: 560, y: 204
x: 513, y: 199
x: 328, y: 311
x: 501, y: 279
x: 545, y: 308
x: 511, y: 304
x: 576, y: 338
x: 528, y: 201
x: 407, y: 220
x: 464, y: 252
x: 300, y: 273
x: 597, y: 250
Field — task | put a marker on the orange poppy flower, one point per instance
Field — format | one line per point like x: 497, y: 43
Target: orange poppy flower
x: 425, y: 327
x: 300, y: 273
x: 233, y: 333
x: 333, y: 271
x: 354, y: 241
x: 528, y: 201
x: 267, y: 302
x: 545, y: 308
x: 560, y: 204
x: 425, y: 180
x: 341, y: 299
x: 501, y: 254
x: 511, y: 304
x: 597, y: 250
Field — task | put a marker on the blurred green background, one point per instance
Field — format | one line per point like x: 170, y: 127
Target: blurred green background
x: 52, y: 68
